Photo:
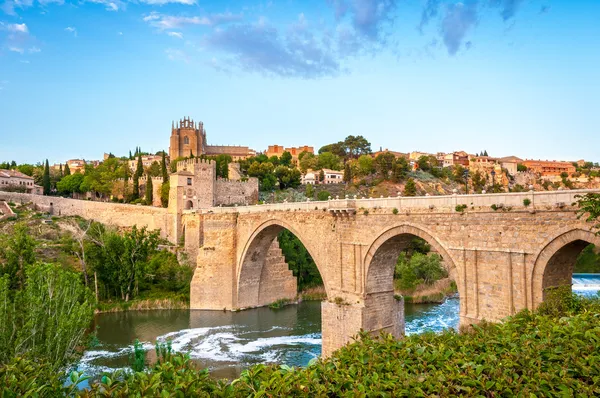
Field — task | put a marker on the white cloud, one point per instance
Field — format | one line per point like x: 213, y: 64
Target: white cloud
x: 164, y: 22
x: 179, y: 35
x: 72, y: 30
x: 16, y: 50
x: 114, y: 5
x: 34, y: 50
x: 18, y: 28
x: 120, y: 33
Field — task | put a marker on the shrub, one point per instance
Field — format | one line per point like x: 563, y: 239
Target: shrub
x: 494, y: 207
x: 323, y: 195
x: 395, y: 211
x: 460, y: 208
x: 526, y: 202
x: 366, y: 212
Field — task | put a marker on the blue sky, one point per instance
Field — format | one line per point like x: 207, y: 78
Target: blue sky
x: 515, y: 77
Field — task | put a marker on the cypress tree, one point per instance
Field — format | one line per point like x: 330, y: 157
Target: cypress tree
x: 163, y: 167
x: 191, y: 154
x: 149, y: 194
x: 130, y: 155
x: 67, y: 170
x: 347, y: 173
x: 140, y: 167
x: 46, y: 179
x: 410, y: 189
x: 485, y: 153
x: 60, y: 171
x: 135, y: 190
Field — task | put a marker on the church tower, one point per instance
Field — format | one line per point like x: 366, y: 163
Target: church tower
x: 187, y: 138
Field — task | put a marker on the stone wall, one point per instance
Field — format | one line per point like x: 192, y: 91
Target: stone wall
x: 120, y: 215
x: 5, y: 211
x: 277, y: 282
x: 236, y: 192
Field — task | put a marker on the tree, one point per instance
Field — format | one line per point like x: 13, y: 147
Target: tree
x: 47, y: 319
x: 384, y: 163
x: 70, y: 184
x: 328, y: 160
x: 400, y: 169
x: 67, y: 170
x: 356, y: 146
x: 308, y: 161
x: 288, y: 177
x: 18, y: 252
x: 321, y: 176
x: 149, y: 194
x: 164, y: 194
x: 485, y: 153
x: 347, y: 173
x: 337, y: 149
x: 155, y: 169
x: 365, y: 165
x: 323, y: 195
x: 589, y: 208
x: 163, y: 169
x: 478, y: 181
x: 60, y: 171
x: 286, y: 159
x: 135, y: 190
x: 410, y: 188
x: 299, y: 260
x: 139, y: 170
x: 46, y: 179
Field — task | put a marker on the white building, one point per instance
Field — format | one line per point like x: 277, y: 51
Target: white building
x: 15, y: 180
x: 333, y: 176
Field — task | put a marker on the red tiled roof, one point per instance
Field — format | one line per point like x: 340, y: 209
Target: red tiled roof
x: 14, y: 174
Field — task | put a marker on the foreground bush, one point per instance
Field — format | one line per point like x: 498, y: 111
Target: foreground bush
x: 551, y: 353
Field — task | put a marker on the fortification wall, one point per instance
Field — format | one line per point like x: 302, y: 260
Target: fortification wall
x: 236, y: 192
x: 120, y: 215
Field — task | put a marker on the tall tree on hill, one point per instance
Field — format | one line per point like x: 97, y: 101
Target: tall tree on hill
x: 149, y: 193
x: 163, y: 168
x: 46, y: 179
x: 60, y: 171
x: 485, y: 153
x: 130, y: 155
x: 347, y: 173
x: 410, y: 189
x: 135, y: 192
x: 321, y: 176
x: 67, y: 170
x: 139, y: 170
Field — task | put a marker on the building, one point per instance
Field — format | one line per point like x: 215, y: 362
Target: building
x: 311, y: 177
x: 147, y: 161
x: 549, y: 168
x: 333, y: 176
x: 453, y: 159
x: 278, y: 150
x: 510, y: 163
x: 189, y: 138
x: 415, y: 155
x: 13, y: 180
x: 397, y: 155
x: 76, y: 165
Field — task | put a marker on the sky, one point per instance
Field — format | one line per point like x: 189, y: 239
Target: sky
x: 514, y: 77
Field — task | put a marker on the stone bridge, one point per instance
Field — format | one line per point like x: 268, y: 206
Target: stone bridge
x: 501, y: 252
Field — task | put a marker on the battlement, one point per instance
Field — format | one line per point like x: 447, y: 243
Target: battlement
x: 186, y: 123
x: 190, y: 164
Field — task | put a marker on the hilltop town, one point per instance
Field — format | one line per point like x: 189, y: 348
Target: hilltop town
x: 241, y: 175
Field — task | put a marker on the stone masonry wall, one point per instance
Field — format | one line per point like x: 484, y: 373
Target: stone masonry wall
x: 277, y: 281
x: 120, y: 215
x: 236, y: 192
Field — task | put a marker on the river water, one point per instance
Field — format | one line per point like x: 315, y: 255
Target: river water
x: 229, y: 342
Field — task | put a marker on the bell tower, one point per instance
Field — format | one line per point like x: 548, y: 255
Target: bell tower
x: 187, y: 138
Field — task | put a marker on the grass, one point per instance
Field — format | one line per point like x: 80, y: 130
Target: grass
x: 144, y: 304
x: 280, y: 303
x: 315, y: 293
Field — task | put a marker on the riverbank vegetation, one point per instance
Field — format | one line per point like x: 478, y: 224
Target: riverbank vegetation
x: 551, y: 352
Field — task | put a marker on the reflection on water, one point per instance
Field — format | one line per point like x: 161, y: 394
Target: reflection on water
x: 228, y: 342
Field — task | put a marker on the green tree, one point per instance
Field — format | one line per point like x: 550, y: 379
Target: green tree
x: 18, y: 251
x: 163, y: 168
x: 589, y: 208
x: 139, y: 169
x: 365, y: 165
x: 521, y: 167
x: 328, y: 160
x: 308, y: 161
x: 478, y: 181
x: 70, y: 184
x: 410, y: 188
x: 149, y: 194
x: 46, y: 179
x: 310, y: 191
x: 384, y: 163
x: 356, y: 146
x: 26, y: 169
x: 323, y: 195
x: 400, y: 169
x: 47, y: 319
x: 286, y: 159
x: 155, y: 169
x: 321, y: 176
x: 67, y: 170
x: 164, y: 194
x: 347, y: 173
x: 288, y: 177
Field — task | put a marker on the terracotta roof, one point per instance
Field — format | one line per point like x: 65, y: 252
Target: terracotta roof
x: 14, y: 174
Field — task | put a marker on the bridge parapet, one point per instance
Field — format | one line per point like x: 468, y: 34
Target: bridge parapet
x: 539, y: 200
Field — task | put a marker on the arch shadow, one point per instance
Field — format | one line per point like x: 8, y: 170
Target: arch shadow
x: 254, y: 256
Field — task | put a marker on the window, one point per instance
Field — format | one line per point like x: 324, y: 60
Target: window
x: 189, y: 181
x: 186, y: 140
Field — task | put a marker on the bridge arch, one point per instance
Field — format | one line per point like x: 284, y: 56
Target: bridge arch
x: 555, y: 262
x: 381, y: 310
x: 251, y: 275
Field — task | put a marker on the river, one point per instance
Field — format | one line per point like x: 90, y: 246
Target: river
x: 228, y: 342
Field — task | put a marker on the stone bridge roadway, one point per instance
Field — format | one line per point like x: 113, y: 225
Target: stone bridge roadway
x: 502, y: 260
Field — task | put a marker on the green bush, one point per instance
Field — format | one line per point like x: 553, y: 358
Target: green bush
x: 526, y: 202
x: 323, y: 195
x: 395, y: 211
x: 460, y: 208
x: 418, y: 268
